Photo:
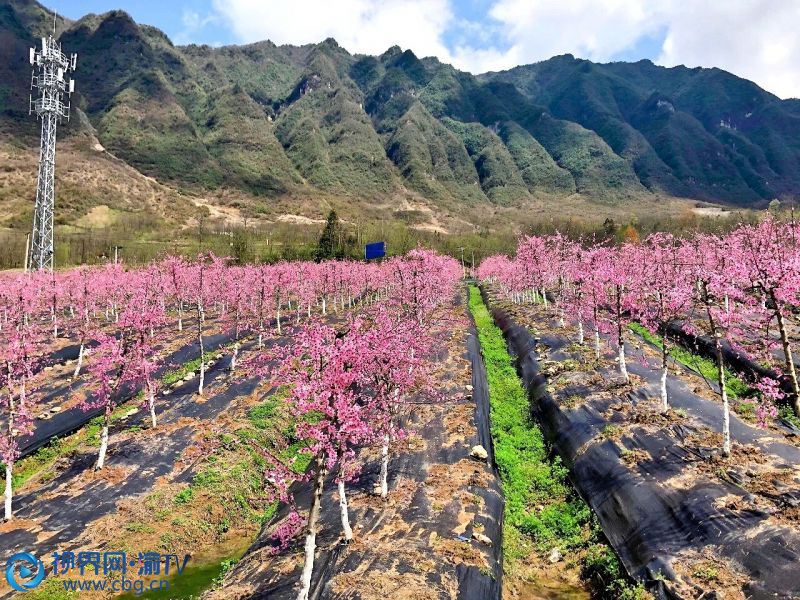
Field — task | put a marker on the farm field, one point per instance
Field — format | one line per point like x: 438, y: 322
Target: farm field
x: 580, y: 421
x: 412, y: 300
x: 683, y: 444
x: 186, y: 407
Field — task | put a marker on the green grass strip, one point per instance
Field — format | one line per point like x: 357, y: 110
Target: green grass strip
x: 542, y: 507
x: 530, y: 477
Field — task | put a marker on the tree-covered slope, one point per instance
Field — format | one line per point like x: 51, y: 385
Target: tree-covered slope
x: 274, y: 120
x: 701, y: 133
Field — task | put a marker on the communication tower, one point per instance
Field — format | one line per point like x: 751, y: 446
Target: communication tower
x: 50, y: 66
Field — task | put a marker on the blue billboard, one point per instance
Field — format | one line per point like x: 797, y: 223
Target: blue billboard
x: 375, y: 250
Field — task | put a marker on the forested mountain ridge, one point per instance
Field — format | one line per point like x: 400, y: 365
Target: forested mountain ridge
x: 277, y: 122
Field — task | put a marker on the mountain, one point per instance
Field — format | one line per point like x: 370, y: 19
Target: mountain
x: 285, y: 132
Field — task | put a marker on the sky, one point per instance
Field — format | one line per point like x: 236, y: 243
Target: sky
x: 755, y: 39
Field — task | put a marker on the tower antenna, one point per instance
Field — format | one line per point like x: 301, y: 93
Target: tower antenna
x: 50, y: 65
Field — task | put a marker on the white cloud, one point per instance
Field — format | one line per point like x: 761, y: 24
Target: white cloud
x: 363, y: 26
x: 193, y: 22
x: 593, y: 29
x: 755, y: 39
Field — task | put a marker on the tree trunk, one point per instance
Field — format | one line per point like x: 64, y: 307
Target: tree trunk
x: 278, y: 319
x: 787, y: 352
x: 580, y: 333
x: 726, y: 414
x: 101, y: 458
x: 715, y: 333
x: 80, y: 362
x: 348, y: 532
x: 235, y: 356
x: 180, y: 315
x: 664, y: 358
x: 385, y: 467
x: 200, y: 313
x: 596, y: 343
x: 152, y: 403
x: 311, y: 536
x: 9, y: 491
x: 623, y: 368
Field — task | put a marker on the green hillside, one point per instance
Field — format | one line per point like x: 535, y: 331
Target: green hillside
x: 278, y: 122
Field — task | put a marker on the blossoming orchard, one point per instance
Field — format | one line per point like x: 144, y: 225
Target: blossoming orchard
x: 361, y: 346
x: 739, y: 289
x: 627, y: 412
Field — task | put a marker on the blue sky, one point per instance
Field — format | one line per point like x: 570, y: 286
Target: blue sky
x: 167, y: 15
x: 755, y: 39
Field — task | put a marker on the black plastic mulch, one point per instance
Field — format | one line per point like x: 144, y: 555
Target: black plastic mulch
x: 64, y: 510
x: 72, y: 419
x: 650, y: 523
x: 258, y: 575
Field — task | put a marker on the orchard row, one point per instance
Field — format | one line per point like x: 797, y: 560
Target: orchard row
x: 740, y: 289
x: 357, y: 354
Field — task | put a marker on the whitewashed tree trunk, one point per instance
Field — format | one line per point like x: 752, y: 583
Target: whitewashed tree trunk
x: 311, y: 535
x: 726, y: 413
x: 80, y: 362
x: 348, y: 532
x: 597, y: 343
x: 788, y: 355
x: 9, y: 492
x: 324, y: 307
x: 385, y: 467
x: 202, y: 377
x: 544, y: 297
x: 580, y: 332
x: 664, y: 359
x: 623, y: 368
x: 152, y: 403
x: 101, y: 458
x: 278, y: 319
x: 235, y: 356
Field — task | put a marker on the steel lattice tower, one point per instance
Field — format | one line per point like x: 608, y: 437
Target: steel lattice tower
x: 49, y: 67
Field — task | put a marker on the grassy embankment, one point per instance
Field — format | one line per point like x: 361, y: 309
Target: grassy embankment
x: 543, y: 511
